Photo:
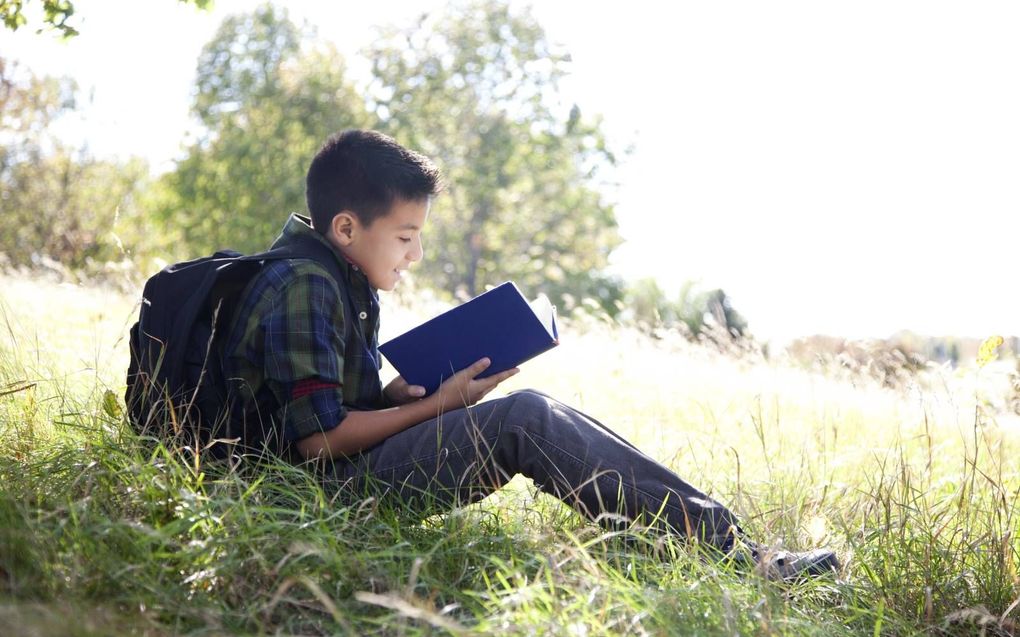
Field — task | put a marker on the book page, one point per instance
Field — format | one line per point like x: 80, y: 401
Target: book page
x: 546, y: 313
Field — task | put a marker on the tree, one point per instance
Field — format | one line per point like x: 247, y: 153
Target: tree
x: 243, y: 65
x: 694, y: 311
x: 56, y: 14
x: 719, y: 306
x: 266, y: 104
x: 28, y: 106
x: 56, y: 202
x: 477, y: 89
x: 65, y: 206
x: 647, y: 305
x: 700, y: 310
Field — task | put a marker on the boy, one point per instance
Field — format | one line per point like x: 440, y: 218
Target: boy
x: 313, y: 383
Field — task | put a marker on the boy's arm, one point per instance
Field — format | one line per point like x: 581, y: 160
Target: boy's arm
x: 363, y: 429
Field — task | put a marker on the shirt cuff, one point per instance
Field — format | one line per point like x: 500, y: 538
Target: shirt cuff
x: 311, y: 413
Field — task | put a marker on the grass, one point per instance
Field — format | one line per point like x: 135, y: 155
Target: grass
x: 101, y: 533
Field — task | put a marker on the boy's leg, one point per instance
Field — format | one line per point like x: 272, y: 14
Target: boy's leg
x: 466, y: 454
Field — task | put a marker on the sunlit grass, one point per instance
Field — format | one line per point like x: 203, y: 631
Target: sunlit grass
x: 917, y: 488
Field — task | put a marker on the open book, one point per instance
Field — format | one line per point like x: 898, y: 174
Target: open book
x: 499, y: 324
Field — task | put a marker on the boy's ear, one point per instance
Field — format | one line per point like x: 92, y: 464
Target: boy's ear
x: 343, y: 227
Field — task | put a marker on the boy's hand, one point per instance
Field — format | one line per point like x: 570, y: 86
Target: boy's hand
x: 463, y: 389
x: 398, y: 392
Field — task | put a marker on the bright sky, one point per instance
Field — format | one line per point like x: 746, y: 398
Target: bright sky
x: 842, y: 168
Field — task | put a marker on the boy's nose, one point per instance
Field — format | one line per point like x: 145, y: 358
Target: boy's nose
x: 417, y: 250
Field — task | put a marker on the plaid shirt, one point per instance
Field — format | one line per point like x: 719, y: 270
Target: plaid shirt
x: 286, y: 342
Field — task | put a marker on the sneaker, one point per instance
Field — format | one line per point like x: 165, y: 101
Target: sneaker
x: 776, y: 564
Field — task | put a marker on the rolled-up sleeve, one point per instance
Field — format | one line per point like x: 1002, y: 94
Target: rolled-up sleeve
x: 304, y: 347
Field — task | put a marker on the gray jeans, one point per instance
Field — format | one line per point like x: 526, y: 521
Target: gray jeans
x: 466, y: 454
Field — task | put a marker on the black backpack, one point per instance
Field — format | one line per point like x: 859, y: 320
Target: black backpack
x: 176, y: 389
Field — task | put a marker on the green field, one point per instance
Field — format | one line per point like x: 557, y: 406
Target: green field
x: 917, y: 487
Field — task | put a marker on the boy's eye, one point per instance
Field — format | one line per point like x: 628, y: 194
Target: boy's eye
x: 406, y: 239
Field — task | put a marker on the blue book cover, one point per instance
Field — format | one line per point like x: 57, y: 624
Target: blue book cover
x: 499, y: 324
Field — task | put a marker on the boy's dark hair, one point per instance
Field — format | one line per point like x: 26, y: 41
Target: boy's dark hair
x: 365, y: 172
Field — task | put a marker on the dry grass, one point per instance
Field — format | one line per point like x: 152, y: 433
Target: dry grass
x: 916, y: 487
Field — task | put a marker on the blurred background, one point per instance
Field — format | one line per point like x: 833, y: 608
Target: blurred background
x: 811, y: 177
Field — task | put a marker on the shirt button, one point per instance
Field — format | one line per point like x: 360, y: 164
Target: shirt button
x: 355, y: 268
x: 363, y: 316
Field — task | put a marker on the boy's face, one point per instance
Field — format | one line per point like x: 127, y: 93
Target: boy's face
x: 385, y: 249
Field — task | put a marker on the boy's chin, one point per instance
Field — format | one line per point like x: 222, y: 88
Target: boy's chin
x: 387, y: 286
x: 386, y: 283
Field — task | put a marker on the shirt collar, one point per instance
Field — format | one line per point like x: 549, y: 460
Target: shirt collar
x: 300, y: 225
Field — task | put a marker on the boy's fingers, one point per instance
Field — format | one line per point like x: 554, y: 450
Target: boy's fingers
x: 476, y: 368
x: 500, y: 377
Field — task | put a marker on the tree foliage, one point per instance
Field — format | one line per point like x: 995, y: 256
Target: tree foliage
x: 266, y: 104
x: 477, y: 89
x: 57, y: 202
x: 29, y: 104
x: 64, y: 207
x: 694, y: 311
x: 243, y: 65
x: 55, y: 14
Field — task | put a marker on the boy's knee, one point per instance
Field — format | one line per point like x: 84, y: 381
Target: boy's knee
x: 531, y: 399
x: 532, y: 410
